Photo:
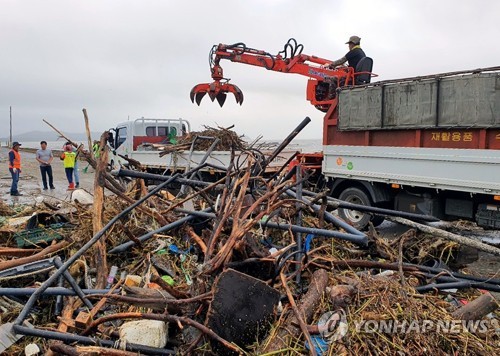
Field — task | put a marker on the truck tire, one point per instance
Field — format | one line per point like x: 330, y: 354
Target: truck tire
x: 357, y: 219
x: 377, y: 220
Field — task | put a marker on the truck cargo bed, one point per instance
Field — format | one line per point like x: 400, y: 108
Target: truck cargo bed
x: 468, y: 100
x: 182, y: 160
x: 475, y: 171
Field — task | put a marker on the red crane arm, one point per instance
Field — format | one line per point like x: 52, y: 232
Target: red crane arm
x: 321, y: 86
x: 298, y: 64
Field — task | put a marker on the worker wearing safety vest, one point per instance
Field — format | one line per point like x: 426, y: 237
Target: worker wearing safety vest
x: 69, y: 157
x: 15, y: 167
x: 96, y: 149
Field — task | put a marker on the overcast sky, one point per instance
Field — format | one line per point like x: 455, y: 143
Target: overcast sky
x: 125, y: 59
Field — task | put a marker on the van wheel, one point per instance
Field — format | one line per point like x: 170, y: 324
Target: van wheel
x: 357, y: 219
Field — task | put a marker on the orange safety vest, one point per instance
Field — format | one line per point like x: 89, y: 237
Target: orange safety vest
x: 17, y: 160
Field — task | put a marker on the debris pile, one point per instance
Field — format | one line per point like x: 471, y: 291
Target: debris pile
x: 218, y: 139
x: 249, y: 263
x: 228, y: 139
x: 5, y: 210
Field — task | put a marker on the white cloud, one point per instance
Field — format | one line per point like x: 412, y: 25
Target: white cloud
x: 124, y: 59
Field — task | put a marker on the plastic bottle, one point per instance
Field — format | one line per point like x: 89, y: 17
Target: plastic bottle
x: 111, y: 277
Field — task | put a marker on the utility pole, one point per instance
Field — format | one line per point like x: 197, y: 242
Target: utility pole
x: 10, y: 137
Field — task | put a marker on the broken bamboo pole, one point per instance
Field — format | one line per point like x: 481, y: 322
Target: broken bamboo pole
x: 171, y: 290
x: 62, y: 349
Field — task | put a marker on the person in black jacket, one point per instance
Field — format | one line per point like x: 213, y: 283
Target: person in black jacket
x: 353, y: 56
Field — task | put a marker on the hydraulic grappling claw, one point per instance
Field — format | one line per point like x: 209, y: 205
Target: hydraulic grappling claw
x: 217, y: 89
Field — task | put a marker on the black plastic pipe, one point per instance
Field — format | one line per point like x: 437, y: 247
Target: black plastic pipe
x: 458, y: 285
x: 375, y: 210
x: 125, y: 246
x: 286, y: 164
x: 257, y: 170
x: 70, y: 338
x: 356, y: 239
x: 450, y: 279
x: 329, y: 216
x: 143, y: 175
x: 455, y: 275
x: 58, y: 263
x: 59, y: 291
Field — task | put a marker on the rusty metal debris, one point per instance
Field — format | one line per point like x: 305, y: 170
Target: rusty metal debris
x: 250, y: 262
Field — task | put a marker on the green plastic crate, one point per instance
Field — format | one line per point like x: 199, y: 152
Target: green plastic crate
x: 36, y: 236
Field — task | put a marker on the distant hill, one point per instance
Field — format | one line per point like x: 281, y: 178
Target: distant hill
x: 50, y: 136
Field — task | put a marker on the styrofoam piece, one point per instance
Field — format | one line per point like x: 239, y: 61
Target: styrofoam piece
x: 82, y: 197
x: 32, y: 350
x: 144, y: 332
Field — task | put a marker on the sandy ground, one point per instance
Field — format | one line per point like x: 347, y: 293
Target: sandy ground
x: 30, y: 182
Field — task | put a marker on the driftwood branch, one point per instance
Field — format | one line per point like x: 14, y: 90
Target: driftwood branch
x: 477, y: 309
x: 100, y: 260
x: 448, y: 235
x: 298, y: 316
x: 36, y: 257
x: 306, y: 308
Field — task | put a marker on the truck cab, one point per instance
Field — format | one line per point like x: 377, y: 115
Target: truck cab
x: 139, y: 134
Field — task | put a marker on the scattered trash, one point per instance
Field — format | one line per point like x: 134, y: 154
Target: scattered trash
x: 133, y: 280
x: 243, y: 308
x: 81, y: 196
x: 32, y: 350
x: 144, y: 332
x: 7, y: 336
x: 111, y: 276
x: 232, y: 261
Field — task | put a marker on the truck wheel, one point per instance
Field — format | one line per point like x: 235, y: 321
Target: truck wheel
x: 357, y: 219
x: 377, y: 220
